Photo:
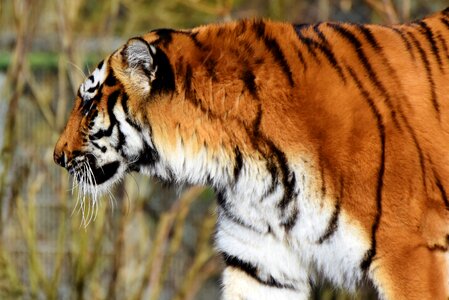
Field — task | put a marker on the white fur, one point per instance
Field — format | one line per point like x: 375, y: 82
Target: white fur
x: 98, y: 77
x: 138, y: 54
x: 238, y: 285
x: 291, y: 257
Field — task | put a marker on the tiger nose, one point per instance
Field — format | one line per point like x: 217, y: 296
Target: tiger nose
x: 60, y: 158
x: 60, y: 154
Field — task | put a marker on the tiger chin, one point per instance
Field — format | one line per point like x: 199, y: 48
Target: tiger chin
x: 327, y: 146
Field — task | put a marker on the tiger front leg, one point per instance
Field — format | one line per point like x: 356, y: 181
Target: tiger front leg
x: 239, y: 285
x: 259, y: 265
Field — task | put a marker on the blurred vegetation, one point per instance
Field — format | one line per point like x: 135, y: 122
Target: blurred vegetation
x: 148, y: 241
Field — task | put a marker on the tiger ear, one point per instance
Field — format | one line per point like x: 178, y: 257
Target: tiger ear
x: 138, y: 58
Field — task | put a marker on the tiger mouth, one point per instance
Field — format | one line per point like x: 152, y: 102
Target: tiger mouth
x: 106, y: 172
x: 100, y: 174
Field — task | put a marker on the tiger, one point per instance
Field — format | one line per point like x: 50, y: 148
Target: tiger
x: 326, y: 146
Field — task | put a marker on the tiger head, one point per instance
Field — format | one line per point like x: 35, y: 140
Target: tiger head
x: 133, y: 113
x: 102, y: 140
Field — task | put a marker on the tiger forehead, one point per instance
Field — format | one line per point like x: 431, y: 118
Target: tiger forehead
x: 89, y: 88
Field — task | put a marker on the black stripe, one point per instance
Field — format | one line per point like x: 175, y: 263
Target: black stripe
x: 333, y: 224
x: 100, y: 64
x: 371, y: 253
x: 426, y: 63
x: 306, y: 42
x: 112, y: 100
x: 288, y: 177
x: 129, y: 118
x: 303, y: 26
x: 420, y: 153
x: 93, y: 88
x: 91, y: 124
x: 210, y: 65
x: 290, y: 222
x: 220, y: 31
x: 253, y: 271
x: 165, y: 77
x: 323, y: 179
x: 88, y: 105
x: 271, y: 168
x: 373, y: 42
x: 276, y: 161
x: 102, y: 148
x: 369, y: 37
x: 288, y: 182
x: 444, y: 44
x: 301, y: 58
x: 238, y: 164
x: 256, y: 124
x: 273, y: 47
x: 241, y: 27
x: 442, y: 248
x: 121, y: 140
x: 320, y: 34
x: 165, y: 36
x: 124, y: 103
x: 437, y: 247
x: 427, y: 31
x: 442, y: 192
x: 111, y: 80
x: 358, y: 47
x: 445, y: 11
x: 445, y: 22
x: 223, y: 204
x: 188, y: 81
x: 93, y: 114
x: 147, y: 157
x: 327, y: 52
x: 248, y: 79
x: 259, y: 28
x: 376, y: 46
x: 194, y: 37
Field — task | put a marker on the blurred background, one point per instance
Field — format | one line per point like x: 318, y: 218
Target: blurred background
x: 147, y: 241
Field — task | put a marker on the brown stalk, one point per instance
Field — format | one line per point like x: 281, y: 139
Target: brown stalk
x: 118, y: 253
x: 386, y: 10
x: 204, y: 254
x: 156, y: 257
x: 26, y: 16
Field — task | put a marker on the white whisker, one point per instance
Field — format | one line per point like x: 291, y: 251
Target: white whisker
x: 112, y: 200
x: 85, y: 185
x: 78, y: 69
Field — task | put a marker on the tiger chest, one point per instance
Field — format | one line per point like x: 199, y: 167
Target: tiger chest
x: 289, y: 243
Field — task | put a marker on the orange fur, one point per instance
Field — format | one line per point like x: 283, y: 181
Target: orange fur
x: 336, y: 115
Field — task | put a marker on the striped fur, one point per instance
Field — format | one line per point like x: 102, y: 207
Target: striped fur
x: 325, y: 143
